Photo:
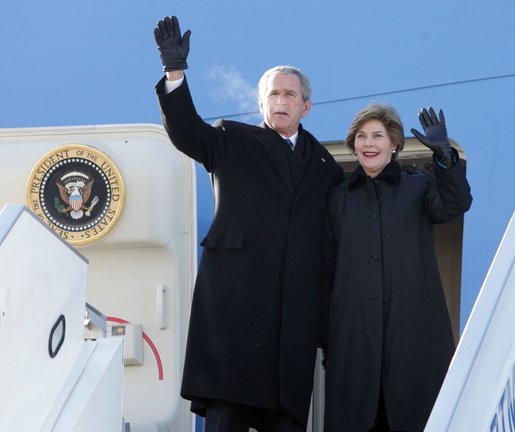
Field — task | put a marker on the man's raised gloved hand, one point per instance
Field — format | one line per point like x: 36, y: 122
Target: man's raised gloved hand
x: 172, y: 47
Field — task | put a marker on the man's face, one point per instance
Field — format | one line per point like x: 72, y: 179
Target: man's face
x: 283, y: 106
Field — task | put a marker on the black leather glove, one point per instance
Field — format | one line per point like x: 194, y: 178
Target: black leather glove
x: 436, y: 136
x: 172, y: 47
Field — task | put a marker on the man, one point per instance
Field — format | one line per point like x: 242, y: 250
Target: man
x: 255, y: 319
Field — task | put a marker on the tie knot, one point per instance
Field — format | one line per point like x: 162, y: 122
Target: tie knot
x: 289, y: 142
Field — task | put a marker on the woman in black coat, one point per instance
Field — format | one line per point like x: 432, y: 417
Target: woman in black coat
x: 389, y: 333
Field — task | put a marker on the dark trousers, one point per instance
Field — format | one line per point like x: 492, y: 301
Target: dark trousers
x: 224, y: 416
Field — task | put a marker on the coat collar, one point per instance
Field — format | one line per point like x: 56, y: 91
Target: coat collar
x: 391, y: 174
x: 272, y: 144
x: 271, y: 141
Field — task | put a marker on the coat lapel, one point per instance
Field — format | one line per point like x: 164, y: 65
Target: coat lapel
x: 274, y: 149
x: 317, y: 165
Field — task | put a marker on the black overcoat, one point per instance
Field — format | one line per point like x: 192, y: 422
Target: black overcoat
x: 255, y: 318
x: 388, y: 319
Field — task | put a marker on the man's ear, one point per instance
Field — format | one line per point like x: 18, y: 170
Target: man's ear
x: 260, y: 104
x: 307, y: 107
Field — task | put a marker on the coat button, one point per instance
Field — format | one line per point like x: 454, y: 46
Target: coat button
x: 375, y: 256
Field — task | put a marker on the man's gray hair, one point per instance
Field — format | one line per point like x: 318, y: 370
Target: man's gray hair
x: 286, y: 70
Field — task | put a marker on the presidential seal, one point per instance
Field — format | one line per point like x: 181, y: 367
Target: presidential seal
x: 78, y: 192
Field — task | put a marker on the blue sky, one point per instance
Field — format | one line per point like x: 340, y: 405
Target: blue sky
x: 95, y: 62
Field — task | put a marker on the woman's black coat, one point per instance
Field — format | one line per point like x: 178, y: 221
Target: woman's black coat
x: 388, y: 319
x: 255, y: 318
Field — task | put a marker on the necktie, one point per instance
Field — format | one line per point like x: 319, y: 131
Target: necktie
x: 290, y: 144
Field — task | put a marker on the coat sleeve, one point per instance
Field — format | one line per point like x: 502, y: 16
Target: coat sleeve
x: 186, y: 129
x: 449, y: 195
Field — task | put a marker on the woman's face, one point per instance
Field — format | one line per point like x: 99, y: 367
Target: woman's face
x: 373, y: 147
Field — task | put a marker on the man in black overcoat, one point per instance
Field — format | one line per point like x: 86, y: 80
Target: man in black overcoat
x: 255, y: 318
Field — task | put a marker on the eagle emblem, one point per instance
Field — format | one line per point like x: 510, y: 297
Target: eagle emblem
x: 78, y: 191
x: 75, y: 191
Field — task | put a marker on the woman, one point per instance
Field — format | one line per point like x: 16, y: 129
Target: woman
x: 389, y: 334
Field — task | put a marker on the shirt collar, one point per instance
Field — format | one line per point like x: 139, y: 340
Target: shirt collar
x: 292, y: 138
